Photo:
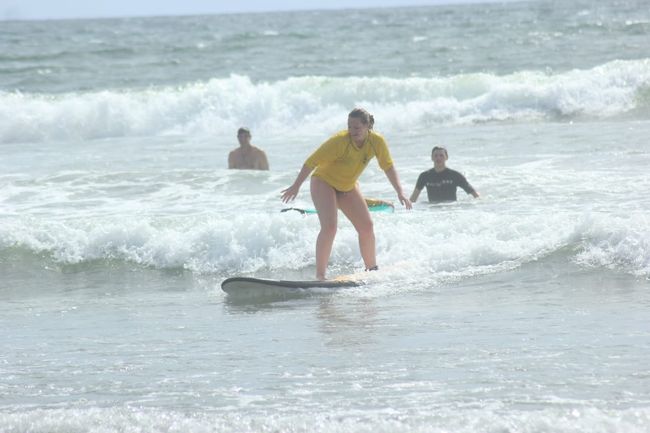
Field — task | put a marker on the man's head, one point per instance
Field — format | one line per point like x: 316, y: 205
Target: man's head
x: 439, y: 156
x: 244, y: 136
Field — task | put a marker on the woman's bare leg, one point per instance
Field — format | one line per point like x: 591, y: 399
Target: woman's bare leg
x: 353, y: 205
x: 324, y: 198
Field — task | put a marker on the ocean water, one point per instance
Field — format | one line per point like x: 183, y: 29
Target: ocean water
x: 527, y: 310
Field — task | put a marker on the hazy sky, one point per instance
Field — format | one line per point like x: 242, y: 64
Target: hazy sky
x: 55, y: 9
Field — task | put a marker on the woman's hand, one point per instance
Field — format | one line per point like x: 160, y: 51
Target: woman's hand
x: 392, y: 176
x: 290, y: 193
x: 405, y: 201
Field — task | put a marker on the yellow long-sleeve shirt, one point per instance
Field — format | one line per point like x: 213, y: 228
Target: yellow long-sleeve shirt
x: 340, y: 163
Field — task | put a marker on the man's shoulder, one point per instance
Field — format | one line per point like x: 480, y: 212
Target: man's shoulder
x: 452, y: 172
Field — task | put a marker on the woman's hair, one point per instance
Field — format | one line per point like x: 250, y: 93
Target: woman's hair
x: 365, y: 117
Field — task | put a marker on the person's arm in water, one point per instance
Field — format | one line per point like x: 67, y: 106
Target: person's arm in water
x: 231, y: 159
x: 419, y: 186
x: 290, y: 193
x: 392, y: 176
x: 464, y: 184
x: 415, y: 194
x: 262, y: 161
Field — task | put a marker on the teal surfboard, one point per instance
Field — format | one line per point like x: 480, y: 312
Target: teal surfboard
x: 374, y: 205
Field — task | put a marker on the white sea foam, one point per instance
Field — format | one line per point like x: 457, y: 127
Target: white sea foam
x: 621, y: 243
x: 304, y: 103
x: 460, y: 245
x: 385, y: 420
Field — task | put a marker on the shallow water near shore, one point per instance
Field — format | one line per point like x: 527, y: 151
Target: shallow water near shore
x: 524, y: 310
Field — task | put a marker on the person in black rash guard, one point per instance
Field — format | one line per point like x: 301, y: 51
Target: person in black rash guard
x: 441, y: 182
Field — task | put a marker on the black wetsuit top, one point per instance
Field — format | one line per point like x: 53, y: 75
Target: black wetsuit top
x: 442, y: 186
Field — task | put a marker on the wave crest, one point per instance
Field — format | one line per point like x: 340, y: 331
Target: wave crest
x: 300, y: 104
x: 259, y: 242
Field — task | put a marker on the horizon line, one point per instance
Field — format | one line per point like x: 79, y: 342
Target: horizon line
x: 8, y: 18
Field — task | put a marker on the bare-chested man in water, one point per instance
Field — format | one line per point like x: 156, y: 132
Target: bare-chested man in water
x: 247, y: 156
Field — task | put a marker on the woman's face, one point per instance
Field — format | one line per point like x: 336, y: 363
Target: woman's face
x: 357, y: 129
